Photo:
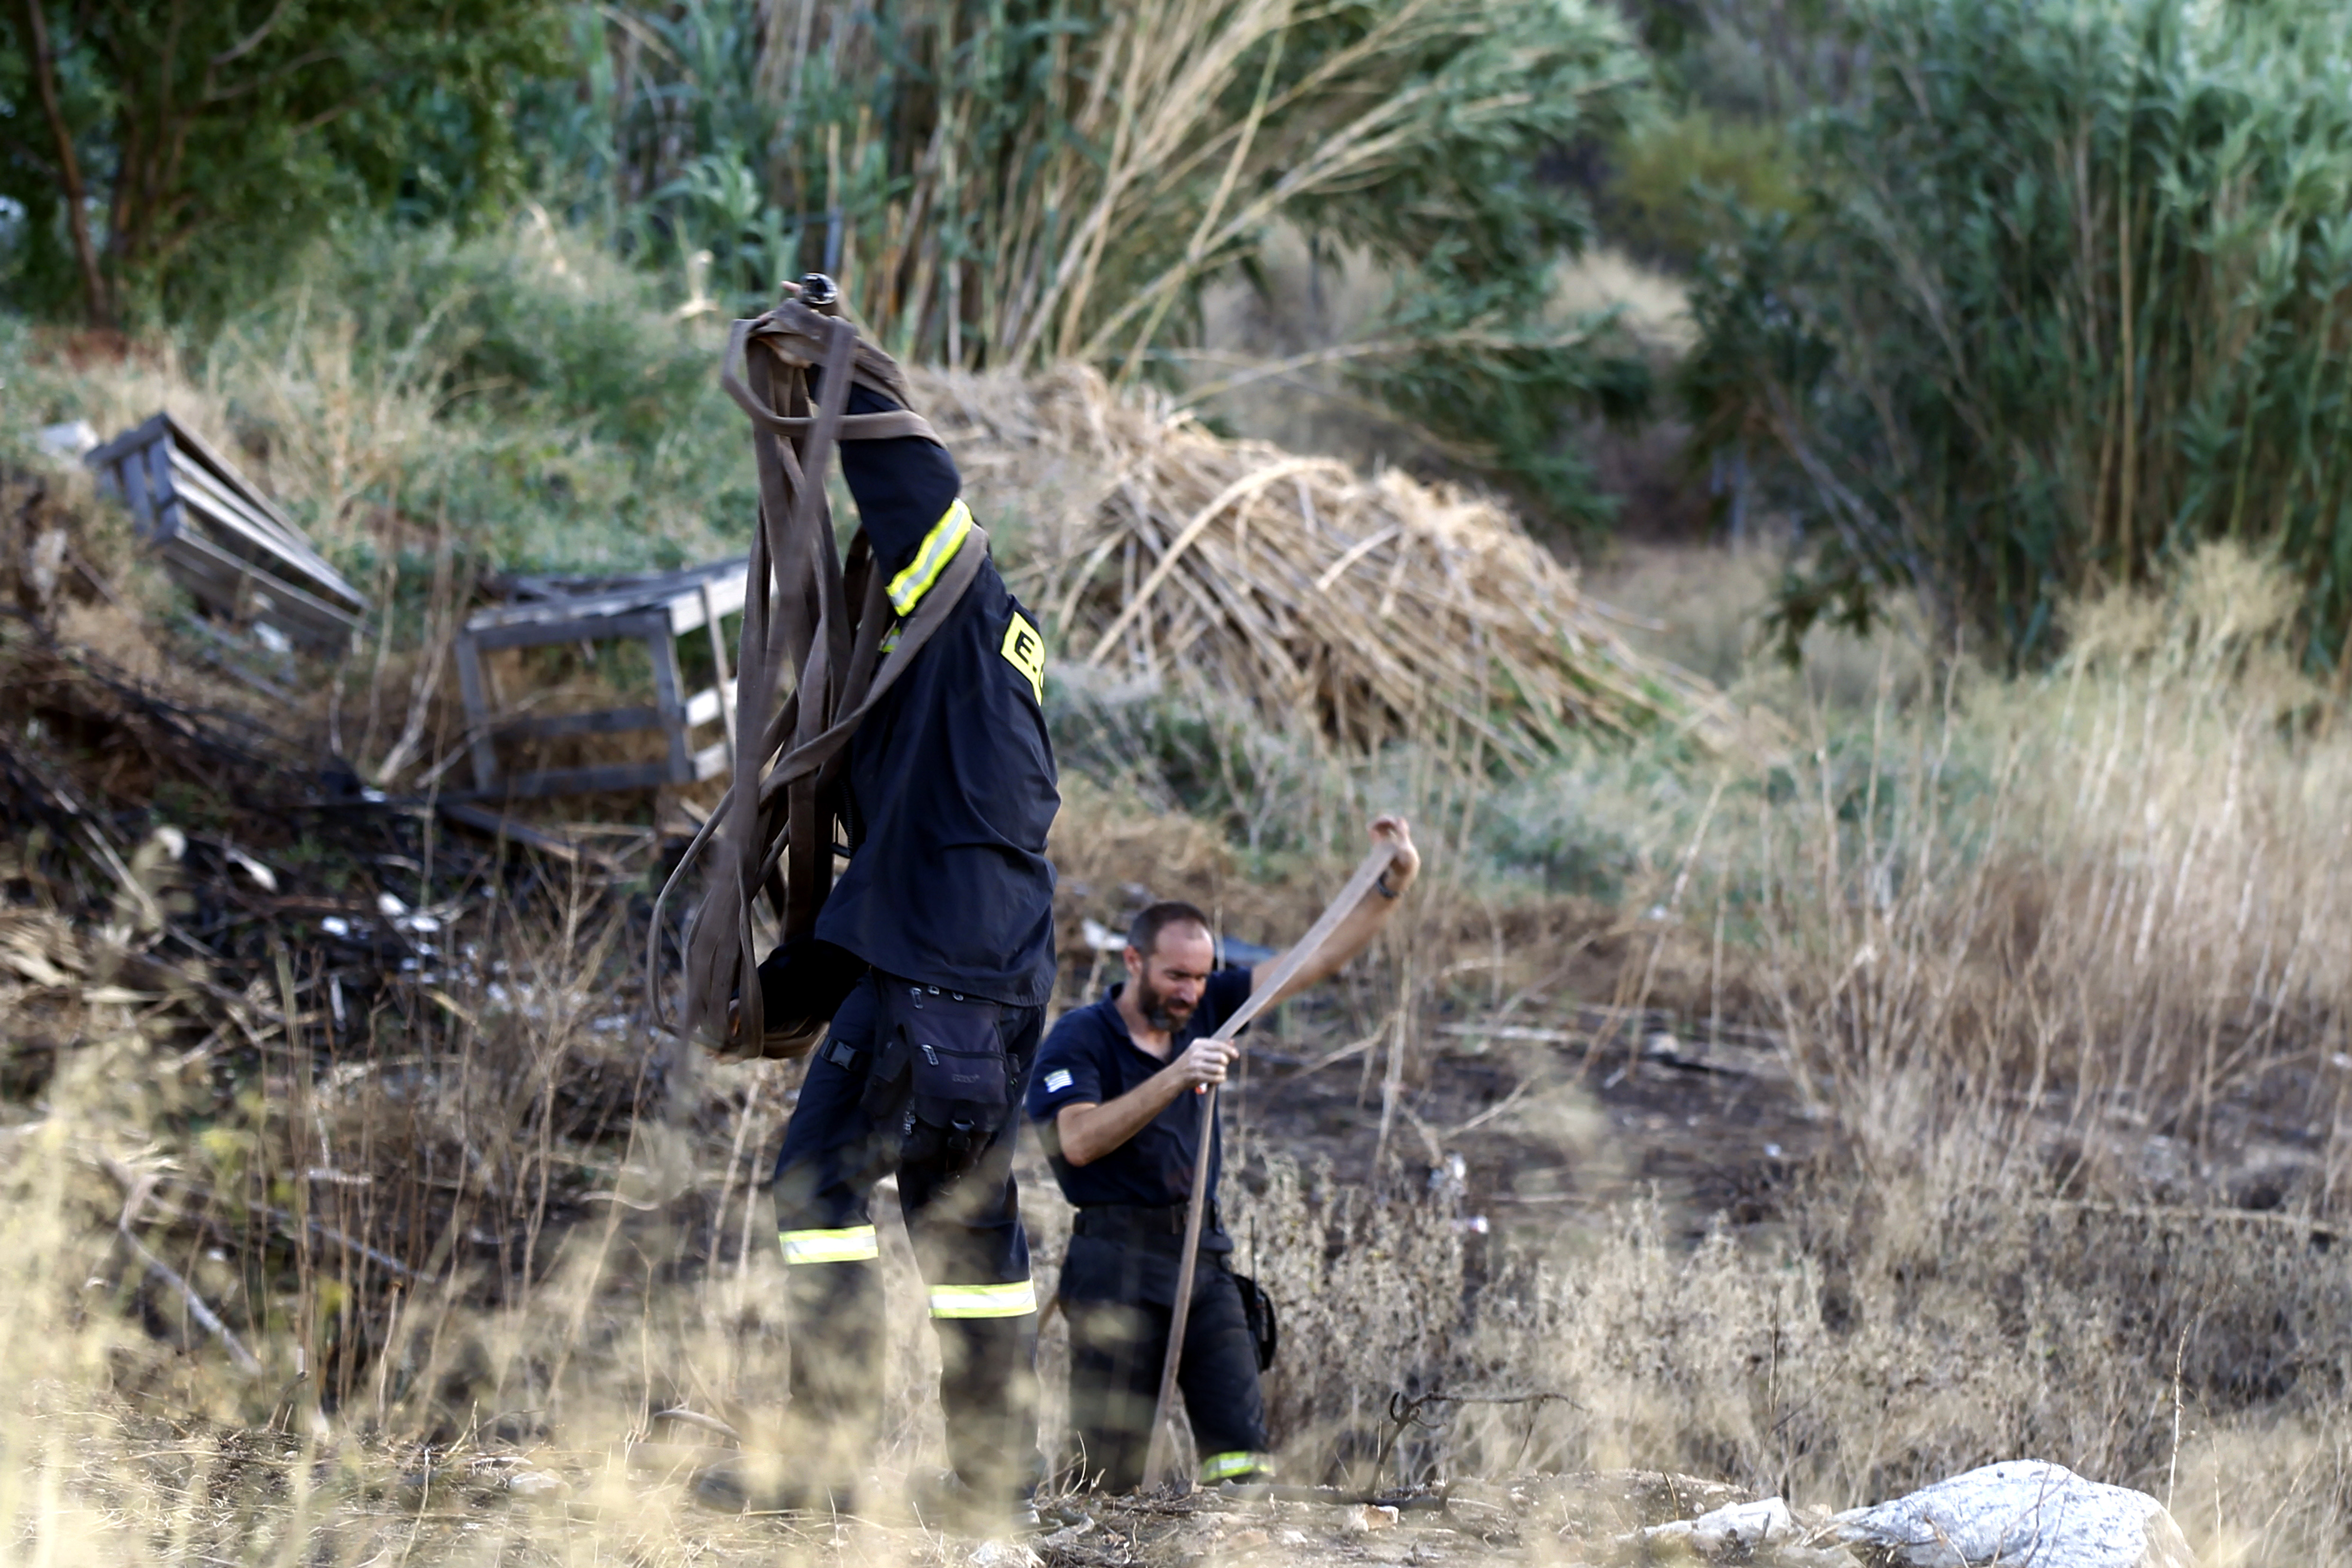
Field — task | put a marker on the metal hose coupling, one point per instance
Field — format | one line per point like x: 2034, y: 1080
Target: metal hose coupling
x: 820, y: 294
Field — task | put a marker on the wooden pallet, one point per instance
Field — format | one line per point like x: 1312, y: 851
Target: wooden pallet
x: 222, y: 540
x: 655, y: 610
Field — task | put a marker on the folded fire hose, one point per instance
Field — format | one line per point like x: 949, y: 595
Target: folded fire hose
x: 811, y: 624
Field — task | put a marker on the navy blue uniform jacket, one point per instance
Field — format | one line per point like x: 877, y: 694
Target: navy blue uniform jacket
x: 951, y: 784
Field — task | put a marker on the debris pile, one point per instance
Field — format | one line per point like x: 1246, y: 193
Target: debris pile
x: 1368, y: 609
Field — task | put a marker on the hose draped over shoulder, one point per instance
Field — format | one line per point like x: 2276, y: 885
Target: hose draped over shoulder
x: 809, y: 665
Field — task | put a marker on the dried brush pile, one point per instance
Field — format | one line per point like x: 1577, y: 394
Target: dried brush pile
x: 1366, y: 609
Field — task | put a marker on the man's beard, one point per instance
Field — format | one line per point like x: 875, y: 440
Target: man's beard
x: 1160, y: 1011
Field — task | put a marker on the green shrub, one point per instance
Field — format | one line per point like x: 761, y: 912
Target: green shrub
x: 1667, y: 195
x: 522, y: 384
x: 160, y: 155
x: 2069, y: 297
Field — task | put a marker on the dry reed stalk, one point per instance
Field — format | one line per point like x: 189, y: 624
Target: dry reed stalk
x: 1367, y: 610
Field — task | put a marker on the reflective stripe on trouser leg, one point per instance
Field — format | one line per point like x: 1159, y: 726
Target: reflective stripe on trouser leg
x: 985, y: 1300
x: 1225, y: 1467
x: 851, y: 1244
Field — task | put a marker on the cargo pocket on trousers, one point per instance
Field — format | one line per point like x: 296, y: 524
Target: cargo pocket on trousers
x: 958, y: 1081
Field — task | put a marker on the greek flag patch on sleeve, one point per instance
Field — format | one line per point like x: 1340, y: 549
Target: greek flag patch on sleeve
x: 1024, y: 651
x: 1058, y: 1080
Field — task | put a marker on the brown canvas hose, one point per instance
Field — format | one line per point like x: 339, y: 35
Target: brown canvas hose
x: 809, y: 667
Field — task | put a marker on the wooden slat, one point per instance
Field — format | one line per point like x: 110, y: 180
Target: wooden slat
x: 162, y: 501
x: 208, y: 563
x: 514, y: 588
x: 199, y: 449
x: 229, y: 509
x: 669, y: 696
x: 677, y: 596
x: 132, y: 443
x: 244, y: 532
x: 190, y: 476
x: 725, y: 594
x: 592, y: 628
x: 223, y: 580
x: 704, y: 605
x: 701, y: 709
x: 601, y: 722
x: 483, y: 755
x: 590, y: 781
x: 506, y: 828
x: 726, y: 687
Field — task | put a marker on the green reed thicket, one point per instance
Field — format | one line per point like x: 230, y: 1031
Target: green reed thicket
x: 2068, y: 296
x: 1012, y: 183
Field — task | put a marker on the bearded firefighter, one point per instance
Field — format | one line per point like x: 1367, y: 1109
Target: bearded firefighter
x: 1113, y: 1097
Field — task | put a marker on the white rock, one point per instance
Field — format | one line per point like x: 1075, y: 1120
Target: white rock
x: 1737, y: 1529
x: 2022, y: 1514
x: 70, y: 439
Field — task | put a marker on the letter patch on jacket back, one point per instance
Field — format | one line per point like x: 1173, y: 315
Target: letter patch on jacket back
x: 1026, y: 651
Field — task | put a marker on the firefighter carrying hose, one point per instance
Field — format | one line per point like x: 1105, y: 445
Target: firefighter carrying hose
x: 1112, y: 1094
x: 937, y: 942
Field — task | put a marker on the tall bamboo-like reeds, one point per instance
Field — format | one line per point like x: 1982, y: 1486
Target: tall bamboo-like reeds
x: 2073, y: 297
x: 1011, y: 181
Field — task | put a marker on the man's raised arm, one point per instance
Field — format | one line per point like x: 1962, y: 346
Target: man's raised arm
x: 1362, y: 923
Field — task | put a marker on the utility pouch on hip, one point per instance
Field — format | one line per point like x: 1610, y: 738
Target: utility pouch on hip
x: 941, y: 1055
x: 1257, y: 1311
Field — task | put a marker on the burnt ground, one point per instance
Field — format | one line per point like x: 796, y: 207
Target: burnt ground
x: 1549, y: 1117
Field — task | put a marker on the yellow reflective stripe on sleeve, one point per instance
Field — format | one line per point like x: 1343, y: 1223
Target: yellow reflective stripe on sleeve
x: 984, y: 1300
x: 853, y: 1244
x: 938, y: 547
x: 1225, y: 1467
x: 1024, y: 651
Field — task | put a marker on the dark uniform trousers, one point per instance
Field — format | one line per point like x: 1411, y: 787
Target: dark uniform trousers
x: 1118, y: 1342
x: 968, y: 1244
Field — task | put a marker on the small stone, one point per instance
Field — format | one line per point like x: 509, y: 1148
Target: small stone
x: 535, y: 1483
x: 1293, y: 1538
x: 1251, y: 1537
x: 1364, y: 1518
x: 1005, y: 1554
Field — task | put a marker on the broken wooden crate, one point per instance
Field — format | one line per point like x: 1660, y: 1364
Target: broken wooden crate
x: 222, y: 540
x: 655, y: 610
